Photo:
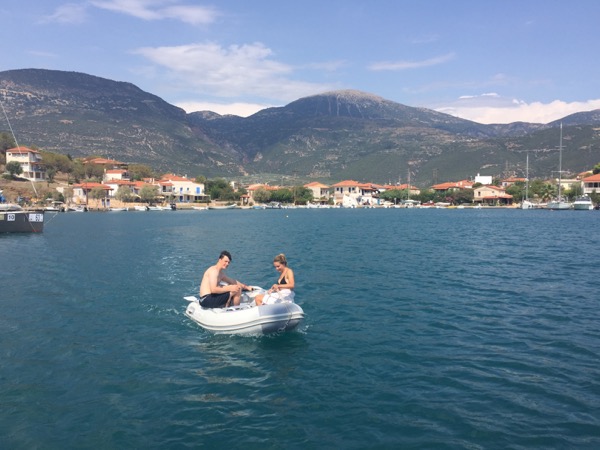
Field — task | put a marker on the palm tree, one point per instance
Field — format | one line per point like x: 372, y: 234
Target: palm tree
x: 547, y: 192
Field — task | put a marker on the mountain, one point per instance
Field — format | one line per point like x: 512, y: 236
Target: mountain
x: 82, y: 115
x: 330, y: 136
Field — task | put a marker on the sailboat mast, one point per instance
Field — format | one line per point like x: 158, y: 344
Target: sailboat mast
x: 560, y: 165
x: 527, y: 178
x: 15, y: 139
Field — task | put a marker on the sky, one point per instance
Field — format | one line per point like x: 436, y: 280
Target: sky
x: 490, y: 61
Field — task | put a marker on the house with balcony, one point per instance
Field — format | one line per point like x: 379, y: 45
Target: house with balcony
x: 30, y: 161
x: 180, y: 189
x: 591, y: 184
x: 492, y: 196
x: 350, y: 193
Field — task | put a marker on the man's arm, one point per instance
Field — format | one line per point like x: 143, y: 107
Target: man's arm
x: 233, y: 282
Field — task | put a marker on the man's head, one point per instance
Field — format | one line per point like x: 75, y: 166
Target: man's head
x: 225, y: 254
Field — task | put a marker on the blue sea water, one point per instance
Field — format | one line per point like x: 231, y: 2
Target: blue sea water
x: 426, y: 329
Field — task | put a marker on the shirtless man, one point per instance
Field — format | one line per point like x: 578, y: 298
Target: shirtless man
x: 212, y: 293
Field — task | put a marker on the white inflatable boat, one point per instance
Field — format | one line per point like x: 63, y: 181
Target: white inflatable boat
x: 246, y: 318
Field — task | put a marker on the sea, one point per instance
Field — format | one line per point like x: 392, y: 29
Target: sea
x: 424, y: 329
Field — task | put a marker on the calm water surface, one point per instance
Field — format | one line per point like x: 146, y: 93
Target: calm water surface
x: 424, y: 329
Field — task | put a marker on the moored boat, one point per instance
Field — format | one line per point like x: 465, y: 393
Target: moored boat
x: 14, y: 219
x: 583, y: 203
x: 526, y: 203
x: 559, y: 203
x: 233, y: 206
x: 246, y: 318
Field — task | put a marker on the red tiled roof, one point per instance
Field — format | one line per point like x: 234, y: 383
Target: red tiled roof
x: 21, y: 149
x: 92, y: 185
x: 400, y: 186
x: 120, y: 182
x: 592, y: 178
x: 316, y: 184
x: 347, y: 183
x: 102, y: 161
x: 173, y: 177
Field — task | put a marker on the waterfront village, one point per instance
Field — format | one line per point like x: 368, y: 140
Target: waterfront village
x: 105, y: 184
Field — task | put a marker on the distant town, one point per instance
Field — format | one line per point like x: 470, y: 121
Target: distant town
x: 96, y: 183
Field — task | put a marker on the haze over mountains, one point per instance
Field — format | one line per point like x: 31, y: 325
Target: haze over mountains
x: 330, y: 136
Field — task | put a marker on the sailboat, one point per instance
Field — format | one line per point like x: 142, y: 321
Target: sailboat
x: 559, y: 204
x: 526, y: 204
x: 13, y: 218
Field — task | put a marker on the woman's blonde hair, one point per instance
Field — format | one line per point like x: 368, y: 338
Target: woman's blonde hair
x: 280, y: 259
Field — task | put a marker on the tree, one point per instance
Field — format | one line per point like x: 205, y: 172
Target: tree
x: 14, y: 168
x: 6, y: 142
x: 148, y: 193
x: 94, y: 171
x: 392, y: 195
x: 596, y: 169
x: 517, y: 190
x: 124, y: 194
x: 57, y: 162
x: 220, y: 189
x: 50, y: 174
x: 575, y: 191
x: 78, y: 170
x: 261, y: 195
x: 97, y: 193
x: 536, y: 187
x: 302, y: 195
x: 463, y: 196
x: 140, y: 171
x: 283, y: 195
x: 547, y: 192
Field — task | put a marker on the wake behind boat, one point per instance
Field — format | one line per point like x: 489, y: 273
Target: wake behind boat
x: 246, y: 318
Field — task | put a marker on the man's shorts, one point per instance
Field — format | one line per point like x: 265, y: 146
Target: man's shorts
x: 215, y: 300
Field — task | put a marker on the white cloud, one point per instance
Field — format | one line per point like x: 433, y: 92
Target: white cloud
x: 405, y: 65
x: 237, y: 70
x: 238, y: 109
x: 156, y: 10
x: 70, y: 13
x: 492, y: 108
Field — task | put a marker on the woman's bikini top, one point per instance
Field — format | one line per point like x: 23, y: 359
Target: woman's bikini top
x: 283, y: 280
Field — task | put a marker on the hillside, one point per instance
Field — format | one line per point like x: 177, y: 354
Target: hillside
x: 330, y: 136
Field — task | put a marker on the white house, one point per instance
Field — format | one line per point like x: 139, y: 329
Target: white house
x: 181, y: 189
x: 591, y: 184
x: 483, y: 179
x: 319, y: 190
x: 30, y: 161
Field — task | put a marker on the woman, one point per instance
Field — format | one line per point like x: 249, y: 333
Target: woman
x: 283, y: 290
